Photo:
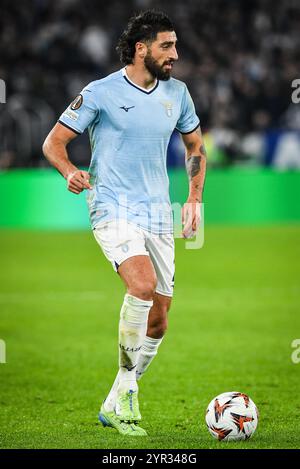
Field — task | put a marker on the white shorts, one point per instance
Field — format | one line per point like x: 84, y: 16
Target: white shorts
x: 120, y: 240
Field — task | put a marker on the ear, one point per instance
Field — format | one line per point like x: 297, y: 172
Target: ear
x: 141, y: 49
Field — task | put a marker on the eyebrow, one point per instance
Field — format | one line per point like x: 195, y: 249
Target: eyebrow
x: 165, y: 43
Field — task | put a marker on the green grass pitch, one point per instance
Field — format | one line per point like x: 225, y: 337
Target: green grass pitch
x: 234, y: 316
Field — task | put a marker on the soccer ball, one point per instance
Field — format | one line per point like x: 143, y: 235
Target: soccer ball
x: 231, y: 416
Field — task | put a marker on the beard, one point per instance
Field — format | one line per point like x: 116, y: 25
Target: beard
x: 155, y: 69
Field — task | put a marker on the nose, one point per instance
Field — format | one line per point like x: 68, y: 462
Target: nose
x: 174, y: 55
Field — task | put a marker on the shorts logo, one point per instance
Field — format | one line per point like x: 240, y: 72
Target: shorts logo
x: 77, y: 102
x: 125, y: 247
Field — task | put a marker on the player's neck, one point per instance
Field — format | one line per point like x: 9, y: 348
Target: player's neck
x: 140, y: 76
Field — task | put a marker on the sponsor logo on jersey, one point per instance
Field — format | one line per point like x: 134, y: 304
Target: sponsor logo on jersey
x: 126, y: 109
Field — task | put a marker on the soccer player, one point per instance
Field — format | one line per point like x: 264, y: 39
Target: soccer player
x: 130, y: 116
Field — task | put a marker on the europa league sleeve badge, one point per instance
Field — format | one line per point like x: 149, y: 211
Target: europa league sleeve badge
x: 77, y: 102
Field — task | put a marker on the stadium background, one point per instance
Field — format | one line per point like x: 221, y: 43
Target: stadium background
x: 236, y: 307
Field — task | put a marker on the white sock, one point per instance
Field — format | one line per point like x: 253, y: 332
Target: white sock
x: 110, y: 401
x: 132, y: 331
x: 148, y: 352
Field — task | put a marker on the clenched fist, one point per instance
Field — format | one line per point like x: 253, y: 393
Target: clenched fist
x: 78, y: 180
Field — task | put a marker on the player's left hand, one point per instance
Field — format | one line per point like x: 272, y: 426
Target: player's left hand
x: 78, y: 180
x: 191, y: 218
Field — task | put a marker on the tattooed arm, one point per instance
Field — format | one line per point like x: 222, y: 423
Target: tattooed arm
x: 195, y: 162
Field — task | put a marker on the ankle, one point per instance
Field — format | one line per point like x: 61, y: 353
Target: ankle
x: 127, y: 385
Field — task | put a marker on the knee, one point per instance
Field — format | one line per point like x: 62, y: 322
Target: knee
x: 143, y: 289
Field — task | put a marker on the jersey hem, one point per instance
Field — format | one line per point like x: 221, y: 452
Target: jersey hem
x: 160, y: 232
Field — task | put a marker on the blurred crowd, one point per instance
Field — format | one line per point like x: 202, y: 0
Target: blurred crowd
x: 238, y: 58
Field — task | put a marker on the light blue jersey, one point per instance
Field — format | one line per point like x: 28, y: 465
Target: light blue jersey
x: 129, y: 129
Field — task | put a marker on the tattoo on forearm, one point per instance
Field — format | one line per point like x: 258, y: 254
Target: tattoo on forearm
x: 193, y: 166
x: 202, y: 150
x: 195, y: 163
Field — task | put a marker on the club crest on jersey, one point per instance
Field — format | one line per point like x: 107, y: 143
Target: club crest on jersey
x: 168, y: 107
x: 77, y: 102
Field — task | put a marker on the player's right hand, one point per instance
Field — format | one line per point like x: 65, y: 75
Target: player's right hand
x: 77, y: 181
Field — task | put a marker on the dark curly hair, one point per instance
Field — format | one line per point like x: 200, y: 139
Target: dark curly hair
x: 142, y: 27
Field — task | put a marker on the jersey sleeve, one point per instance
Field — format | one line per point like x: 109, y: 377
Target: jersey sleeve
x: 188, y: 120
x: 81, y: 113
